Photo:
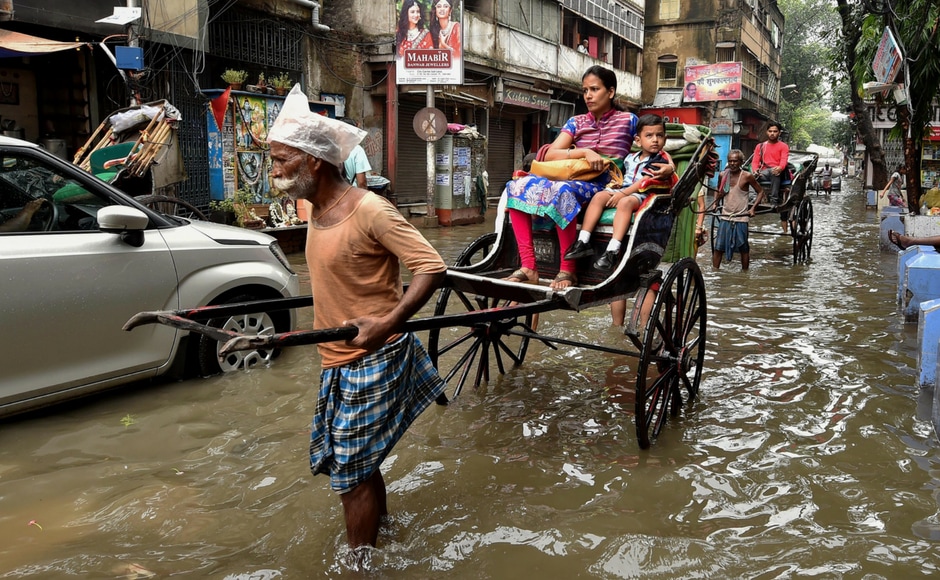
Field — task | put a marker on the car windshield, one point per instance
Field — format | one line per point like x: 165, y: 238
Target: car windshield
x: 66, y: 204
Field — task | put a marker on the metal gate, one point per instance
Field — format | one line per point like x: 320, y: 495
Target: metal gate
x: 411, y: 183
x: 193, y: 139
x: 500, y: 161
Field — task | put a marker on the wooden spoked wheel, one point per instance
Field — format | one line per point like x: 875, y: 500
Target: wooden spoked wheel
x: 802, y: 231
x: 468, y: 355
x: 670, y: 366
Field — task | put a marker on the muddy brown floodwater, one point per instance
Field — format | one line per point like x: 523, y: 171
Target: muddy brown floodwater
x: 809, y: 453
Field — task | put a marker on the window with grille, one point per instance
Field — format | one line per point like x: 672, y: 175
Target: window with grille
x: 669, y: 9
x: 537, y: 17
x: 724, y: 54
x: 668, y: 73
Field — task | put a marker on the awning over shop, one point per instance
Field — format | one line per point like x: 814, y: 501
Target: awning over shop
x: 14, y: 44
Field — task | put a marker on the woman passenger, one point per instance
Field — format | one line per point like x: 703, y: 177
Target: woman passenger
x: 605, y: 130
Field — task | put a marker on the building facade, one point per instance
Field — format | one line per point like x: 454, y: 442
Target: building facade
x: 684, y: 33
x: 521, y: 81
x: 522, y: 71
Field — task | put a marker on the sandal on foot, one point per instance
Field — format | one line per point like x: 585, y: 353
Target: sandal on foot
x: 564, y: 280
x: 521, y: 277
x: 895, y: 238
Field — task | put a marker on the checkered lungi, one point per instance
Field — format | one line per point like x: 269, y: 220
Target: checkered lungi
x: 365, y: 407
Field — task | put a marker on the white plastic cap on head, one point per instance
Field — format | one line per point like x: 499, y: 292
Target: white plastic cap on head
x: 324, y: 138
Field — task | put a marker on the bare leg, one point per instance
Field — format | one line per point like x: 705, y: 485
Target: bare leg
x: 362, y: 507
x: 647, y: 305
x: 379, y: 483
x: 625, y: 209
x: 592, y: 215
x: 618, y: 311
x: 745, y: 261
x: 716, y: 260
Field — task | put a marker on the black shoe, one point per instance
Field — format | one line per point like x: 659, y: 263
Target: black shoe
x: 606, y: 262
x: 578, y: 250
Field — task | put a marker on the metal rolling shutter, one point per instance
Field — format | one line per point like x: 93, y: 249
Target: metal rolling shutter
x: 500, y: 162
x: 411, y: 183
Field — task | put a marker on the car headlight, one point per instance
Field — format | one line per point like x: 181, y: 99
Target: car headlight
x: 281, y: 256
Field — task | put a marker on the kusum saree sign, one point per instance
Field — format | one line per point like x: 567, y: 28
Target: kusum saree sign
x: 428, y: 47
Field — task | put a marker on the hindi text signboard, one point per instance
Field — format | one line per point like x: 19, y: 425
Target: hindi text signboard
x: 712, y: 82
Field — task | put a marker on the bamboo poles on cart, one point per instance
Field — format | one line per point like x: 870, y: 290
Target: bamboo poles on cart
x: 142, y: 154
x: 80, y: 154
x: 152, y: 142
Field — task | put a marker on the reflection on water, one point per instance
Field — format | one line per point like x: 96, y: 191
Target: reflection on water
x: 808, y: 453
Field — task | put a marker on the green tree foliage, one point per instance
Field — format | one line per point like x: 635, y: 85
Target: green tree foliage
x: 806, y: 62
x: 807, y: 46
x: 851, y: 60
x: 916, y: 26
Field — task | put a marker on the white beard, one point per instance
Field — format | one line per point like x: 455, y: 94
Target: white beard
x: 300, y: 186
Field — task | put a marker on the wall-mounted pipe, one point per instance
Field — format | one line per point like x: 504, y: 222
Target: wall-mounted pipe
x: 314, y: 13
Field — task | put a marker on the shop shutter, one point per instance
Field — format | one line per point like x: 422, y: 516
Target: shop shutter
x: 500, y: 161
x: 411, y: 183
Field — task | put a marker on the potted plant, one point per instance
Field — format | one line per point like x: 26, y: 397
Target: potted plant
x: 246, y: 210
x: 234, y: 78
x: 222, y: 211
x: 281, y: 83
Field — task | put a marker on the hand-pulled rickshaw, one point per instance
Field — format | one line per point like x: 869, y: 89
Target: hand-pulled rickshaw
x: 483, y: 323
x: 794, y: 206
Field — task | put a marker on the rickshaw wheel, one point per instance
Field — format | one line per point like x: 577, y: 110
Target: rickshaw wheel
x: 802, y: 231
x: 670, y: 366
x: 467, y: 354
x: 476, y: 250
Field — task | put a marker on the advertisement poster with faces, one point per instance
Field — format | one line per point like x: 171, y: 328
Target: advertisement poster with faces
x: 428, y: 48
x: 712, y: 82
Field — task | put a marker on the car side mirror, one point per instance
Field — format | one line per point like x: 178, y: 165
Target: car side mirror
x: 129, y: 222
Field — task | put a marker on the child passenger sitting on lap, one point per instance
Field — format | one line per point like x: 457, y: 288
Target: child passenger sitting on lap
x: 651, y: 137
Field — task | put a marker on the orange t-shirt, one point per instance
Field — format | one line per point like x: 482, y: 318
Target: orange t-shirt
x: 355, y: 269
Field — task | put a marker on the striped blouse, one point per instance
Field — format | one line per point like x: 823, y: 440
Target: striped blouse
x: 611, y: 135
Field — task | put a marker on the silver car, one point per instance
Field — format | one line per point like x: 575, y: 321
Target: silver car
x: 89, y: 259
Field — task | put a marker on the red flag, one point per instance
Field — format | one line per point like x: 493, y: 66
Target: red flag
x: 219, y: 105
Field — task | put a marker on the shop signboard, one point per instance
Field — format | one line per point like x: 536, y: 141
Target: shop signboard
x: 528, y: 99
x: 712, y: 82
x: 428, y: 42
x: 887, y: 61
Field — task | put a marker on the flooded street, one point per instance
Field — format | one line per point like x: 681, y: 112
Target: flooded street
x: 809, y: 452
